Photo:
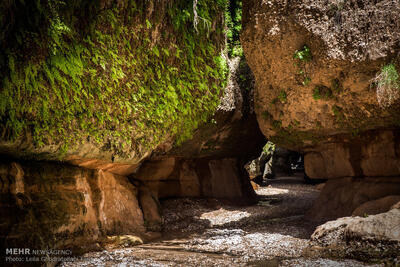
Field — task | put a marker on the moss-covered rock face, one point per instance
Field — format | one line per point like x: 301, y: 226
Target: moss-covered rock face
x: 107, y: 79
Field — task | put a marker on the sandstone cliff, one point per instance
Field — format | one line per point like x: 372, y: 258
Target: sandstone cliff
x: 318, y: 67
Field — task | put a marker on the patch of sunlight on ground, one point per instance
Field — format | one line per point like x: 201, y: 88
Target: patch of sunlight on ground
x: 270, y: 191
x: 222, y: 216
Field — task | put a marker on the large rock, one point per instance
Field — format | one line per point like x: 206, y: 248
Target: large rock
x: 341, y: 197
x: 375, y: 154
x: 314, y: 63
x: 49, y: 205
x: 377, y: 206
x: 219, y: 178
x: 105, y: 82
x: 211, y: 163
x: 373, y: 237
x: 233, y: 130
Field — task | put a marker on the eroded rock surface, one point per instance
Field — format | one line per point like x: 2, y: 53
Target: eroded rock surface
x: 343, y: 196
x: 50, y: 205
x: 376, y: 236
x: 211, y: 232
x: 376, y: 154
x: 172, y: 177
x: 314, y: 63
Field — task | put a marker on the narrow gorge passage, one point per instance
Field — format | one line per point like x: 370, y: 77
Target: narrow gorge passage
x: 131, y: 133
x: 211, y: 232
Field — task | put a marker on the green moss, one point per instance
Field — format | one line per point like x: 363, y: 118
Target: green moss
x: 322, y: 92
x: 266, y: 115
x: 336, y: 86
x: 233, y: 17
x: 294, y: 139
x: 338, y: 112
x: 103, y: 77
x: 282, y: 97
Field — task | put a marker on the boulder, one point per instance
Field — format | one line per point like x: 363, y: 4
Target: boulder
x: 377, y: 206
x: 341, y: 197
x: 373, y: 237
x: 51, y: 205
x: 376, y: 154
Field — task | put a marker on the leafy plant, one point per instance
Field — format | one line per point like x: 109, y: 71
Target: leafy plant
x: 233, y: 16
x: 282, y: 97
x: 303, y: 55
x: 387, y: 85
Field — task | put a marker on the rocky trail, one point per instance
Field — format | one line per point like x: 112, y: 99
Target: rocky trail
x: 210, y: 232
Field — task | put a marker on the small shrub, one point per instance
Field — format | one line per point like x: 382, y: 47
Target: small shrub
x: 303, y: 55
x: 387, y: 85
x: 282, y: 97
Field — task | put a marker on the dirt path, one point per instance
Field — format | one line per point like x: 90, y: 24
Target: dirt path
x: 209, y: 232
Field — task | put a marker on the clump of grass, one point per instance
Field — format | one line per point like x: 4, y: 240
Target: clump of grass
x: 282, y: 97
x: 387, y: 85
x: 303, y: 54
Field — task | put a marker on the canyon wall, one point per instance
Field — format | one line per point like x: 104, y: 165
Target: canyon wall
x: 322, y: 88
x: 108, y: 106
x: 107, y: 81
x: 48, y: 205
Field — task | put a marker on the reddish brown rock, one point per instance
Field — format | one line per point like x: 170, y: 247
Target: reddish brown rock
x: 151, y: 209
x: 220, y: 178
x: 60, y: 206
x: 314, y: 73
x: 374, y: 154
x: 376, y: 206
x: 340, y: 197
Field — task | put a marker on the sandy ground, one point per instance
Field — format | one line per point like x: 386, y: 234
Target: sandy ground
x: 210, y: 232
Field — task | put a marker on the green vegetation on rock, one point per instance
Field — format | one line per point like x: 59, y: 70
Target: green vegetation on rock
x: 322, y: 92
x: 114, y: 75
x: 387, y: 85
x: 233, y: 17
x: 282, y: 97
x: 304, y: 54
x: 302, y: 57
